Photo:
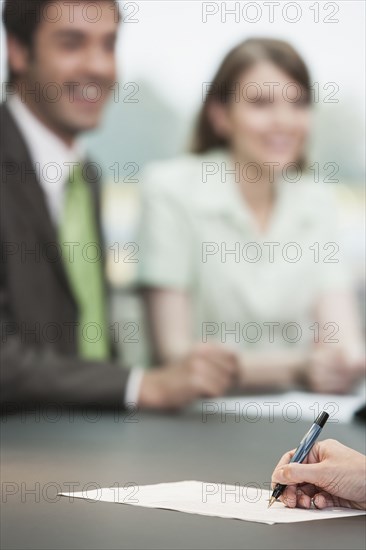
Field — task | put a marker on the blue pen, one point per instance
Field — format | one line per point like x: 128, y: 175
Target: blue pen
x: 302, y: 451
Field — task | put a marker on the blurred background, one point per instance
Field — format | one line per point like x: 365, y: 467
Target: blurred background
x: 167, y: 50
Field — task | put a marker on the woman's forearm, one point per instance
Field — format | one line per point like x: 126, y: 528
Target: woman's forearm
x: 169, y: 322
x: 339, y: 320
x: 279, y: 370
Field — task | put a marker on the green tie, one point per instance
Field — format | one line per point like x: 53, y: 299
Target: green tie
x: 81, y: 253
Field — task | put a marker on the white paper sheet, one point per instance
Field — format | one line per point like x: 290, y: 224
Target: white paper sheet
x: 211, y: 499
x: 290, y: 406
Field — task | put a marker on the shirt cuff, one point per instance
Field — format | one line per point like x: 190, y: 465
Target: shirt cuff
x: 133, y: 387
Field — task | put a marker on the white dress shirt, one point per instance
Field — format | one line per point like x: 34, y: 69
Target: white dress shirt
x: 50, y: 155
x: 53, y: 161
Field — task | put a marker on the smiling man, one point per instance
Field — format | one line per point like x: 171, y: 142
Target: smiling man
x: 62, y: 57
x: 56, y: 345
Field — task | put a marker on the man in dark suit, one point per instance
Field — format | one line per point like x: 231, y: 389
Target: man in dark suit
x: 55, y: 343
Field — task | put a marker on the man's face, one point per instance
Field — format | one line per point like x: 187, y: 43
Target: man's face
x: 73, y: 62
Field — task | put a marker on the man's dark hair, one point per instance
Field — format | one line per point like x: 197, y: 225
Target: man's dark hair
x: 22, y: 17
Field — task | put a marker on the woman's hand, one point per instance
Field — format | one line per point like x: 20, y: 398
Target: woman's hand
x: 331, y: 475
x: 331, y: 370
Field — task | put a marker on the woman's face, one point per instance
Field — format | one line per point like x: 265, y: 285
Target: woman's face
x: 268, y: 120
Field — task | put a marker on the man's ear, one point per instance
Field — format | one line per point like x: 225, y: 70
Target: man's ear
x: 218, y: 115
x: 18, y: 55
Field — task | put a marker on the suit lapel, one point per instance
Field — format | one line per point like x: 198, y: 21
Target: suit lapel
x: 27, y: 189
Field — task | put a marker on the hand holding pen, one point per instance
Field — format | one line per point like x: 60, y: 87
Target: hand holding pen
x: 302, y: 451
x: 331, y: 475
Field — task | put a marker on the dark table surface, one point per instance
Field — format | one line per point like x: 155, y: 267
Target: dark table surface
x: 51, y: 451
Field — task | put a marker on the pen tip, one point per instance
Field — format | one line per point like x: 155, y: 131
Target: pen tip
x: 271, y: 501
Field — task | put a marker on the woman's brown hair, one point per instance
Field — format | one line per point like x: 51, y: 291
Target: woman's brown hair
x: 237, y: 62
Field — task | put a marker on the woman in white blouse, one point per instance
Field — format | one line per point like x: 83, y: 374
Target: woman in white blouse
x: 239, y: 245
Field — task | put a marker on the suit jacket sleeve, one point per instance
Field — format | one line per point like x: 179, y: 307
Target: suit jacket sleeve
x: 39, y: 374
x: 31, y: 375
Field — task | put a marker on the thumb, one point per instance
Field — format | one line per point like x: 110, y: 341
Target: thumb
x: 294, y: 473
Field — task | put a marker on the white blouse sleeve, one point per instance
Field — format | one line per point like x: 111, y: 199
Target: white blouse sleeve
x: 334, y: 273
x: 164, y: 232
